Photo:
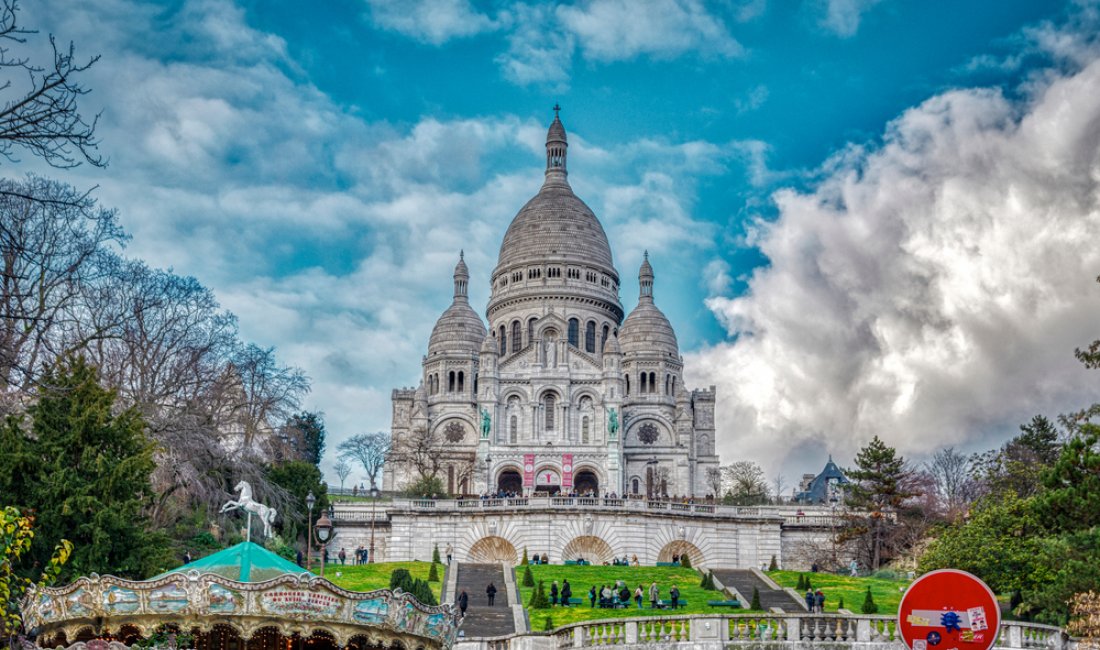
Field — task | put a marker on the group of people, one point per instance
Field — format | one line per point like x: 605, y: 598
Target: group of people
x: 815, y: 601
x: 463, y: 600
x: 619, y: 596
x: 624, y: 561
x: 565, y: 593
x: 360, y: 555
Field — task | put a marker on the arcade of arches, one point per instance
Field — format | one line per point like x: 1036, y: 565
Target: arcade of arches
x: 585, y: 482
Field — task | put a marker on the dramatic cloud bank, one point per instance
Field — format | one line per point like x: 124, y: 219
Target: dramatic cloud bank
x: 930, y: 290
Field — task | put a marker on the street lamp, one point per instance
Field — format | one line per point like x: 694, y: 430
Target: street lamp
x: 374, y: 500
x: 310, y: 501
x: 323, y: 529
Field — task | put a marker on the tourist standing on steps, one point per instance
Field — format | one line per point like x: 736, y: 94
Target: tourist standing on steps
x: 810, y: 600
x: 819, y: 598
x: 554, y: 593
x: 654, y: 595
x: 638, y: 595
x: 491, y: 592
x: 566, y: 593
x: 450, y: 551
x: 463, y: 602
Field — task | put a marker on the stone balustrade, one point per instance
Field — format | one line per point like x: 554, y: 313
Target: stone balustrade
x: 771, y: 631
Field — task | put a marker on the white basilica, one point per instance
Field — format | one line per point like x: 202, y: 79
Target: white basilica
x: 561, y: 393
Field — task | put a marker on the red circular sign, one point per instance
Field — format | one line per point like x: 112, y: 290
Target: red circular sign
x: 949, y: 610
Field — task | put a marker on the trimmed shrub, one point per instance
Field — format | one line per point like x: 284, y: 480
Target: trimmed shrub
x: 755, y: 599
x: 524, y: 561
x: 548, y: 624
x: 401, y: 579
x: 435, y: 555
x: 773, y: 566
x: 708, y: 581
x: 538, y: 598
x: 528, y: 577
x: 685, y: 561
x: 433, y: 573
x: 840, y: 603
x: 801, y: 583
x: 869, y: 606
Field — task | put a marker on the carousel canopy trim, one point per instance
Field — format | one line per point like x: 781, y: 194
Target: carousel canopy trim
x: 245, y: 562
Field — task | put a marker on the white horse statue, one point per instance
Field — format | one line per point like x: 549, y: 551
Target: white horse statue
x: 245, y: 502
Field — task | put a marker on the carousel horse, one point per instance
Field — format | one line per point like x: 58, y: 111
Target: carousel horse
x: 245, y: 502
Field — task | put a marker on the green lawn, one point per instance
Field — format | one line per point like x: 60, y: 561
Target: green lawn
x: 886, y: 593
x: 368, y: 577
x: 582, y: 577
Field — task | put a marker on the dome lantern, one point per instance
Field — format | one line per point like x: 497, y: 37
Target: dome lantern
x: 556, y: 146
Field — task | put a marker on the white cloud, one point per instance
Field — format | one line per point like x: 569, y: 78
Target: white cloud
x: 930, y: 291
x: 619, y: 30
x: 431, y: 21
x: 842, y: 17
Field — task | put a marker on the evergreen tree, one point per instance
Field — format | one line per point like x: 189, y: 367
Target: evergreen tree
x: 880, y: 484
x: 538, y: 598
x: 773, y: 565
x: 89, y: 479
x: 298, y: 478
x: 528, y: 577
x: 548, y: 624
x: 524, y: 561
x: 400, y: 579
x: 840, y: 604
x: 801, y: 582
x: 435, y: 555
x: 685, y: 561
x: 755, y: 604
x: 433, y: 573
x: 305, y: 435
x: 869, y: 606
x: 1071, y: 500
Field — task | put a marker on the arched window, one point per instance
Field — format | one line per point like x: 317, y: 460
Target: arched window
x: 674, y: 384
x: 627, y: 384
x: 590, y: 336
x: 450, y: 479
x: 668, y: 384
x: 574, y: 332
x: 584, y: 430
x: 530, y: 331
x: 517, y: 341
x: 451, y: 382
x: 513, y: 429
x: 653, y: 382
x: 548, y: 404
x: 503, y: 340
x: 642, y: 383
x: 635, y: 486
x: 606, y: 331
x: 461, y: 381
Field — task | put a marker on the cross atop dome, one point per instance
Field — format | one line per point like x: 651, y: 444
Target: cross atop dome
x: 556, y: 109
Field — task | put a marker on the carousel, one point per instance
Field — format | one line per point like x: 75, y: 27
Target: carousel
x: 241, y: 598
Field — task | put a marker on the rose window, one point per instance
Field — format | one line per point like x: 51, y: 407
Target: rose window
x: 454, y: 432
x: 648, y: 433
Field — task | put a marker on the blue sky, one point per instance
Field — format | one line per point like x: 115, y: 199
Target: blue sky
x: 865, y: 216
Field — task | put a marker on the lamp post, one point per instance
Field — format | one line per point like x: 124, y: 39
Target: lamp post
x: 374, y: 500
x: 323, y: 528
x: 310, y: 501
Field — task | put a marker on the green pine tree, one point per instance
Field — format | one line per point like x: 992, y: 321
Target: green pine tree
x: 528, y: 577
x: 538, y: 598
x: 85, y: 470
x: 840, y: 604
x: 755, y: 604
x: 524, y: 562
x: 433, y: 573
x: 801, y: 583
x: 399, y: 579
x: 435, y: 555
x: 685, y: 561
x: 548, y: 624
x: 773, y: 566
x: 869, y: 606
x: 877, y: 488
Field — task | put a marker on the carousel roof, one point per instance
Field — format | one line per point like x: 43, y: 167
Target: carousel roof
x: 245, y: 562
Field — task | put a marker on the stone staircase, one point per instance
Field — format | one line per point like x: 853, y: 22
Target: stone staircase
x: 743, y: 580
x: 481, y: 620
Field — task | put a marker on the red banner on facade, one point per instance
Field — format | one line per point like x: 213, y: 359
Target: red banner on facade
x: 528, y: 470
x: 566, y: 472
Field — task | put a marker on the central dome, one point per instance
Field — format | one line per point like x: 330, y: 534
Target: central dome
x: 555, y: 224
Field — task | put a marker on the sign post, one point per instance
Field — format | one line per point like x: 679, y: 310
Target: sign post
x: 949, y: 610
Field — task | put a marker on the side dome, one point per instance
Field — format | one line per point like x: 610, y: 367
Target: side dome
x: 555, y: 223
x: 647, y: 330
x: 459, y: 329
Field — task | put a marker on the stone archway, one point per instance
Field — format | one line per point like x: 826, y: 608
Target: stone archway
x: 679, y: 547
x: 589, y: 547
x: 509, y: 480
x: 586, y: 481
x: 493, y: 550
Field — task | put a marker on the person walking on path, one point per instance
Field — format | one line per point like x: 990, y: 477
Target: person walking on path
x: 638, y: 595
x: 819, y: 599
x: 554, y: 593
x: 450, y: 551
x: 463, y: 602
x: 343, y: 556
x: 654, y: 594
x: 566, y: 593
x: 809, y: 601
x: 491, y: 592
x: 592, y: 597
x: 674, y: 596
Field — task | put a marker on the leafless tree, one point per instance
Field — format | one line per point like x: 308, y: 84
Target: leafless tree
x: 779, y: 483
x: 952, y: 481
x: 371, y: 450
x: 40, y: 113
x: 54, y: 247
x: 343, y: 470
x: 745, y: 482
x: 715, y: 481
